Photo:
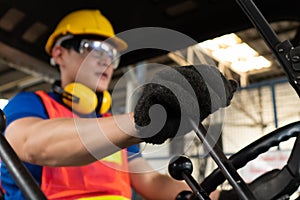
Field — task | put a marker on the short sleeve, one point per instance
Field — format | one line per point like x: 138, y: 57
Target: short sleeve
x: 24, y: 104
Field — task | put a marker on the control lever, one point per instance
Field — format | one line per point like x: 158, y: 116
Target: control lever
x: 181, y: 168
x: 16, y: 168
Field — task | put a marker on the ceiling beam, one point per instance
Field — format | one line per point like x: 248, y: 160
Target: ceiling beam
x: 27, y: 64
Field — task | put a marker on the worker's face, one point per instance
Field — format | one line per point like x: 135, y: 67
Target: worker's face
x: 91, y: 67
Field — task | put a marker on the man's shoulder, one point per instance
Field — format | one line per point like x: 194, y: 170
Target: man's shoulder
x: 24, y: 104
x: 25, y: 94
x: 28, y: 96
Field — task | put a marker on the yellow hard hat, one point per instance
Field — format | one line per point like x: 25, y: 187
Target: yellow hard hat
x: 85, y: 22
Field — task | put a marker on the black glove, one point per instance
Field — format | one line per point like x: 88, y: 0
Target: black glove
x: 179, y: 94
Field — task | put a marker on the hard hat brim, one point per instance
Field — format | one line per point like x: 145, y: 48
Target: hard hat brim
x: 118, y: 43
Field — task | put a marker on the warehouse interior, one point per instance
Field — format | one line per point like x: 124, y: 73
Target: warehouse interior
x: 264, y: 102
x: 26, y: 26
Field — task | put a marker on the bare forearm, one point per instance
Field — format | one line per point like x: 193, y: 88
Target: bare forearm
x: 160, y: 187
x: 151, y: 184
x: 68, y: 141
x: 171, y: 187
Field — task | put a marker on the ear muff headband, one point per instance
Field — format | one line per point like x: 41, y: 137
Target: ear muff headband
x: 83, y: 100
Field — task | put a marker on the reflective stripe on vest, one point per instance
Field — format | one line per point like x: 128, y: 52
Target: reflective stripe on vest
x: 91, y: 181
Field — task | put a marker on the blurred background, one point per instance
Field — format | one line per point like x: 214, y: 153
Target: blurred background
x: 224, y: 37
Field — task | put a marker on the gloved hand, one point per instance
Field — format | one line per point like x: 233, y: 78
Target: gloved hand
x: 176, y: 95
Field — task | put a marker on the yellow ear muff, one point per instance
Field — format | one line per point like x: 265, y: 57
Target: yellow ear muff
x: 83, y: 100
x: 106, y: 102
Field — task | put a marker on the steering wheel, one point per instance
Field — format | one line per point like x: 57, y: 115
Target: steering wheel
x: 275, y: 183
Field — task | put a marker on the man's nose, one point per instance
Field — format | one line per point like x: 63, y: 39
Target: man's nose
x: 105, y: 61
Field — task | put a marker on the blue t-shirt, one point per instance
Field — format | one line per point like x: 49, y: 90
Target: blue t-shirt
x: 26, y: 104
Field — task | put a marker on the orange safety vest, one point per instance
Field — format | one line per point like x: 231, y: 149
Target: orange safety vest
x: 99, y: 180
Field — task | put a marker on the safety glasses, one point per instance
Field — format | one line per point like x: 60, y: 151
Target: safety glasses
x: 96, y: 48
x: 101, y: 50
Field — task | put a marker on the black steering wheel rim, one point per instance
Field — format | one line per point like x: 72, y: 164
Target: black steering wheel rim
x: 250, y: 152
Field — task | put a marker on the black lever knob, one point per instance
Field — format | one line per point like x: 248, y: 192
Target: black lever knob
x: 181, y: 168
x: 179, y: 165
x: 185, y: 195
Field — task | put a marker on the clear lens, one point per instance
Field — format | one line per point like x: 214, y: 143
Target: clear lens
x: 101, y: 49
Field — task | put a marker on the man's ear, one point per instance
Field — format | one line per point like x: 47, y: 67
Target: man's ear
x: 56, y: 54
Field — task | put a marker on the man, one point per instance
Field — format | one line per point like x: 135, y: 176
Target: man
x: 61, y: 144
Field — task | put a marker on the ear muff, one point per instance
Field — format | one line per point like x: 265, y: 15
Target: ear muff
x: 104, y: 102
x: 82, y: 99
